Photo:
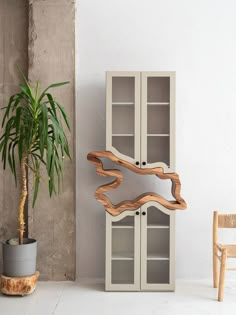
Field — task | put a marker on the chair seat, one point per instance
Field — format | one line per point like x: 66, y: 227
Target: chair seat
x: 231, y: 249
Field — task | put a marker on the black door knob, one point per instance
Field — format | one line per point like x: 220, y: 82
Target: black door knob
x: 137, y: 212
x: 144, y: 163
x: 143, y: 213
x: 137, y: 163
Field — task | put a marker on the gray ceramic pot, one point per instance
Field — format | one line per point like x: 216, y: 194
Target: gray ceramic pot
x: 20, y: 260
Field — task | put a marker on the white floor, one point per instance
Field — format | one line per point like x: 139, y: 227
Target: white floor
x: 69, y: 298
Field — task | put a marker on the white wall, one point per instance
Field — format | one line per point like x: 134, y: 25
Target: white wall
x: 197, y: 39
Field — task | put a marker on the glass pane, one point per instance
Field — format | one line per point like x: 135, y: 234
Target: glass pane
x: 127, y: 221
x: 158, y: 89
x: 158, y: 149
x: 124, y: 145
x: 123, y: 119
x: 122, y: 243
x: 158, y: 120
x: 158, y: 271
x: 157, y: 217
x: 158, y: 244
x: 123, y: 89
x: 122, y: 272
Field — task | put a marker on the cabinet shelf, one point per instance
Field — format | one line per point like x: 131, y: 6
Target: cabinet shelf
x: 158, y: 134
x: 123, y: 256
x: 122, y: 226
x: 157, y: 226
x: 123, y: 282
x: 122, y: 135
x: 154, y: 256
x: 122, y: 103
x: 158, y: 103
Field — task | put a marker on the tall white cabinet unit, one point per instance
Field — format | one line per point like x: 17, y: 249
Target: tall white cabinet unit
x: 140, y: 127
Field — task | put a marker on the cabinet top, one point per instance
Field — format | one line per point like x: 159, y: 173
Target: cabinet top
x: 149, y: 73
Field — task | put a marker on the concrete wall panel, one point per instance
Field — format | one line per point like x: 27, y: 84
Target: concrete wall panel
x: 51, y: 59
x: 13, y: 50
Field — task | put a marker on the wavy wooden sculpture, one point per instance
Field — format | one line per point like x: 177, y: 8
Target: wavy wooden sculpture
x: 114, y: 210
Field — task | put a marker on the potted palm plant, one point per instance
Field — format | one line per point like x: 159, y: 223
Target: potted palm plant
x: 33, y: 136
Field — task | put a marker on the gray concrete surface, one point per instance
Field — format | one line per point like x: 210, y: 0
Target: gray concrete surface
x: 52, y: 59
x: 13, y: 50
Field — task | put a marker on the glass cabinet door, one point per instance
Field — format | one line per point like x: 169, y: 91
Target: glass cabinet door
x: 123, y: 251
x: 157, y: 247
x: 157, y: 120
x: 123, y: 115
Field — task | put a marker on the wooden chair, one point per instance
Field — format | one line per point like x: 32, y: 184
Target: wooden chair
x: 222, y: 251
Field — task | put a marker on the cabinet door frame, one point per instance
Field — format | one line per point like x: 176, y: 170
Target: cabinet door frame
x: 109, y: 286
x: 137, y: 100
x: 144, y: 76
x: 157, y: 286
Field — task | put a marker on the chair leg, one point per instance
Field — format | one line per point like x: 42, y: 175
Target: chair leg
x: 222, y: 275
x: 215, y: 267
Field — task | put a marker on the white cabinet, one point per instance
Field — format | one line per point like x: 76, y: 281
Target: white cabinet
x: 140, y: 129
x: 140, y: 250
x: 140, y: 118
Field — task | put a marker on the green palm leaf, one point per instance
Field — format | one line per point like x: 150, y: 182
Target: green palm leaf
x: 33, y: 125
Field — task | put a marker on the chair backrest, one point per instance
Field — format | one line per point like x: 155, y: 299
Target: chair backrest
x: 225, y: 221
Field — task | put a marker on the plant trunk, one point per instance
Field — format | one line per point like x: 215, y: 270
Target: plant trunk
x: 21, y: 219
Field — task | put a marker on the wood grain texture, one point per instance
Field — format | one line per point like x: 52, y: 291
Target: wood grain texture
x: 227, y: 221
x: 222, y: 275
x: 231, y: 250
x: 177, y: 204
x: 19, y: 285
x: 215, y: 250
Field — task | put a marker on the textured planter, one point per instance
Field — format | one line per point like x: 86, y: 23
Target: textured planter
x: 19, y: 260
